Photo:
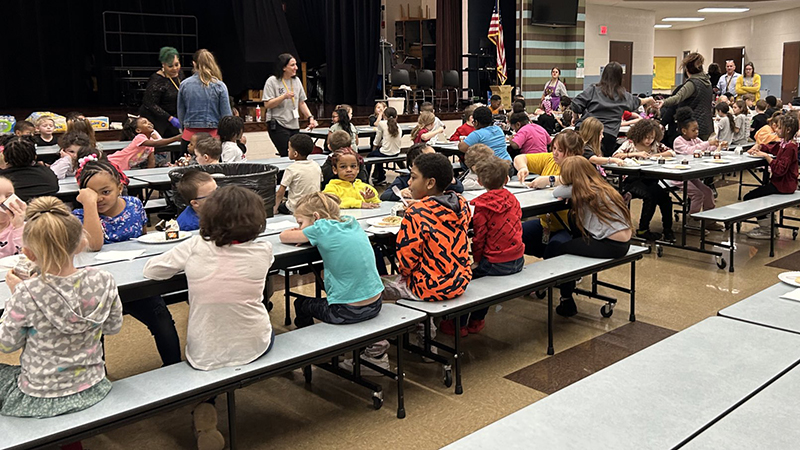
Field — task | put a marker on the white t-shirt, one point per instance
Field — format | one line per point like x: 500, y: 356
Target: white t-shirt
x: 284, y: 112
x: 231, y: 153
x: 301, y: 178
x: 436, y: 124
x: 389, y: 145
x: 228, y: 322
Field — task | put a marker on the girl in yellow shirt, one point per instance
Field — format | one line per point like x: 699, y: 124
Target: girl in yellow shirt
x: 353, y: 192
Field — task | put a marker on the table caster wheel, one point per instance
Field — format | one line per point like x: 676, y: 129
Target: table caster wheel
x: 607, y: 310
x: 269, y: 306
x: 448, y: 377
x: 659, y: 251
x: 377, y: 400
x: 307, y: 374
x: 721, y: 263
x: 541, y: 294
x: 794, y: 235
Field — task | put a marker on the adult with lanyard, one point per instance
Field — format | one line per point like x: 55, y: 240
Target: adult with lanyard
x: 284, y: 102
x: 606, y: 101
x: 203, y: 98
x: 554, y: 89
x: 696, y: 93
x: 749, y: 82
x: 727, y: 82
x: 160, y: 102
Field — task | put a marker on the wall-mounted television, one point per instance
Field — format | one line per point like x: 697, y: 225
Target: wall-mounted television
x: 554, y: 13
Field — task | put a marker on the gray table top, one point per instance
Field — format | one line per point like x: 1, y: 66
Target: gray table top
x: 698, y: 167
x: 69, y: 186
x: 768, y: 309
x: 768, y: 420
x: 655, y: 398
x: 363, y: 131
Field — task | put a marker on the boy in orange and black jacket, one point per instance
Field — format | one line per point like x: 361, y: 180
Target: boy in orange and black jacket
x: 433, y: 251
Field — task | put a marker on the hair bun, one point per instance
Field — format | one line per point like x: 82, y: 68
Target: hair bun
x: 44, y: 205
x: 683, y: 114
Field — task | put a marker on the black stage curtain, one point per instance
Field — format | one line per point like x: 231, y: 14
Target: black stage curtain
x: 352, y: 42
x: 448, y: 37
x: 307, y: 24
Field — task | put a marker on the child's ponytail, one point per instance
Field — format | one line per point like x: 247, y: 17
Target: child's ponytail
x: 724, y: 109
x: 391, y: 121
x: 52, y: 233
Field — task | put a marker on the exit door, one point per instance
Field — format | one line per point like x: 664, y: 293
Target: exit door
x: 790, y: 72
x: 622, y: 52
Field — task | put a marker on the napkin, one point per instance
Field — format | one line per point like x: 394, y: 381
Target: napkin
x: 383, y: 230
x: 119, y: 255
x: 283, y: 224
x: 792, y: 295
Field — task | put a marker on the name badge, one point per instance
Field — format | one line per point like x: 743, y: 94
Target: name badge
x: 295, y: 114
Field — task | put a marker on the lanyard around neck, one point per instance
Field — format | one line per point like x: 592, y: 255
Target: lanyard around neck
x: 287, y: 88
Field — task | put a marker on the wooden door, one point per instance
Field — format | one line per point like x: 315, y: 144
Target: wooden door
x: 622, y: 52
x: 790, y: 72
x: 721, y: 55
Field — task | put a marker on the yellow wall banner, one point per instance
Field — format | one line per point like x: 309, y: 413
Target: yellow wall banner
x: 664, y: 72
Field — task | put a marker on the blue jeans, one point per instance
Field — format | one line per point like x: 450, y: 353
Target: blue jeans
x: 486, y: 268
x: 532, y: 231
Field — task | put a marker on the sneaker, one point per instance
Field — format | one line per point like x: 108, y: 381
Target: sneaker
x: 648, y: 235
x: 204, y: 422
x: 669, y: 235
x: 382, y: 362
x: 715, y: 226
x: 760, y: 233
x: 567, y: 308
x: 475, y: 326
x: 448, y: 327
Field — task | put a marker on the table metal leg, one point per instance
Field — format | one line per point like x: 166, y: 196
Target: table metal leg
x: 550, y: 350
x: 457, y: 355
x: 287, y: 297
x: 231, y: 418
x: 731, y: 249
x: 401, y: 408
x: 632, y: 317
x: 685, y: 211
x: 772, y: 234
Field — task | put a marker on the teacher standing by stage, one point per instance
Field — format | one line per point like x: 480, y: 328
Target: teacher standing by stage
x: 285, y: 102
x: 160, y: 102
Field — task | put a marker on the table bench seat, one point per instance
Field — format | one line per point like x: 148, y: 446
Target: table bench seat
x: 545, y: 274
x: 152, y: 392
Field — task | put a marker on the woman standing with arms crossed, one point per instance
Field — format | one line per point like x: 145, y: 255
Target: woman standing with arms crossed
x: 203, y: 98
x: 749, y: 82
x: 285, y: 100
x: 606, y: 101
x: 160, y: 102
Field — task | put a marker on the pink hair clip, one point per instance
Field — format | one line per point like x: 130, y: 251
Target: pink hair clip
x: 82, y: 162
x: 2, y: 148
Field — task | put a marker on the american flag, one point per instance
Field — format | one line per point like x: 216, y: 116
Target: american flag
x: 496, y: 36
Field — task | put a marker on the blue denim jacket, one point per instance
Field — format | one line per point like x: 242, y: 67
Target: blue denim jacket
x: 200, y: 106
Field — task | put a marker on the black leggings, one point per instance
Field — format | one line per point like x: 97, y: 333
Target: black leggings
x: 608, y: 144
x: 280, y: 138
x: 652, y: 195
x: 762, y: 191
x: 153, y: 312
x: 588, y: 247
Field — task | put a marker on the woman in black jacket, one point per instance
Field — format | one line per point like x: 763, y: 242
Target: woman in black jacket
x: 160, y: 102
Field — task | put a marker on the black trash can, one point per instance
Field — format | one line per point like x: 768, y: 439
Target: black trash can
x: 260, y: 178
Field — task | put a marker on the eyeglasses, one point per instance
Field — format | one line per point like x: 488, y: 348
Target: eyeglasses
x: 206, y: 196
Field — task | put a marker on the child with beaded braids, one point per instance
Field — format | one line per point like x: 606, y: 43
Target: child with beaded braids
x: 353, y: 192
x: 108, y: 217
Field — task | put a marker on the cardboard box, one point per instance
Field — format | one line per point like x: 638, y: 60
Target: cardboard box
x: 61, y: 121
x: 99, y: 123
x: 504, y: 92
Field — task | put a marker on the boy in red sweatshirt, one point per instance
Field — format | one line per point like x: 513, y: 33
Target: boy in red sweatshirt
x: 497, y: 247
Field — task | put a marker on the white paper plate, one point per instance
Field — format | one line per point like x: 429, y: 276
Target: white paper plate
x: 645, y: 162
x: 376, y: 222
x: 790, y: 278
x: 159, y: 237
x: 678, y: 166
x: 720, y: 161
x: 666, y: 158
x: 9, y: 262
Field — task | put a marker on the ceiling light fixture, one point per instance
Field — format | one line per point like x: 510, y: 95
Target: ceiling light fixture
x: 723, y: 10
x: 683, y: 19
x: 662, y: 25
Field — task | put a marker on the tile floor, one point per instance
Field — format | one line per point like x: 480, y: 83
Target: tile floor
x: 505, y: 366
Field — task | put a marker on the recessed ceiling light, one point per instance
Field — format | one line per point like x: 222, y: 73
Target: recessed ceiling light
x: 662, y: 25
x: 723, y: 10
x: 683, y: 19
